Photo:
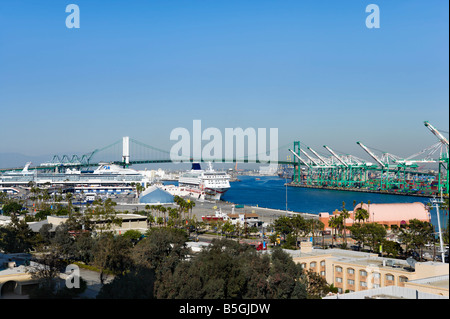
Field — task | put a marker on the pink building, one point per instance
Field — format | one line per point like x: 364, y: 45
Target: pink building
x: 386, y: 214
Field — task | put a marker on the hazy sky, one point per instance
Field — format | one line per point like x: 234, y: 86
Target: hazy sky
x: 312, y: 69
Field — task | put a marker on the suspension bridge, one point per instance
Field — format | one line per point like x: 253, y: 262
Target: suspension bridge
x: 128, y: 151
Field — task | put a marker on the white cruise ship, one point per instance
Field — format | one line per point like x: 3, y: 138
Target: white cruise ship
x: 107, y: 178
x: 208, y: 184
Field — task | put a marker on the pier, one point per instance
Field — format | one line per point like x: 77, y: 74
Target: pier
x: 361, y: 190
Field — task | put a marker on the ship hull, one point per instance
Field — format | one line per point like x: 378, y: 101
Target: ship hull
x: 206, y: 193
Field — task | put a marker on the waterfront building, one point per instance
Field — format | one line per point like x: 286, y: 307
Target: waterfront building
x: 385, y: 214
x: 251, y: 219
x: 155, y: 195
x: 352, y: 271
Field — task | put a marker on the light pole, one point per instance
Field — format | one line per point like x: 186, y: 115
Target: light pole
x: 435, y: 202
x: 286, y: 196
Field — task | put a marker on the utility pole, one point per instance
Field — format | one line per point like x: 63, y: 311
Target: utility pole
x: 286, y: 197
x: 436, y: 203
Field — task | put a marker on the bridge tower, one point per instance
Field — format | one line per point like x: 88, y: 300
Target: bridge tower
x: 126, y: 151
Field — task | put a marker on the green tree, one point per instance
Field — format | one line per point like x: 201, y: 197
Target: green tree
x: 112, y: 253
x: 12, y: 208
x: 132, y: 235
x: 42, y: 214
x: 104, y: 211
x: 284, y: 280
x: 374, y: 235
x: 138, y: 283
x: 316, y: 286
x: 228, y: 228
x: 358, y: 233
x: 392, y: 248
x: 370, y: 234
x: 63, y: 242
x: 299, y: 226
x: 335, y: 223
x: 83, y: 247
x: 416, y: 234
x: 47, y: 274
x: 315, y: 227
x: 229, y: 270
x: 17, y: 237
x: 283, y: 225
x: 161, y: 250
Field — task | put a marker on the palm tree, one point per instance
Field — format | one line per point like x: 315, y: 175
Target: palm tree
x: 344, y: 214
x: 190, y: 205
x: 361, y: 214
x: 69, y: 201
x: 163, y: 210
x: 316, y: 225
x: 334, y: 224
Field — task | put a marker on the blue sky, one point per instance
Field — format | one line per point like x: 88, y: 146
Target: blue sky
x: 312, y: 69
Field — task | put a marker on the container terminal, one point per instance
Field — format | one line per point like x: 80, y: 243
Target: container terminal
x: 427, y: 176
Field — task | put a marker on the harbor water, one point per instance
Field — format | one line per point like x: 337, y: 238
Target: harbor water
x: 270, y: 192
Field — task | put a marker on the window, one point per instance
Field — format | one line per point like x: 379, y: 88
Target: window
x: 376, y: 275
x: 363, y: 284
x: 338, y: 279
x: 313, y: 264
x: 322, y: 273
x: 350, y: 271
x: 390, y: 277
x: 363, y: 273
x: 322, y: 263
x: 403, y: 279
x: 351, y: 282
x: 338, y: 269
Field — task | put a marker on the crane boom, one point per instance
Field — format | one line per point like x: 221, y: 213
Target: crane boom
x: 309, y: 157
x: 437, y: 133
x: 371, y: 154
x: 317, y: 155
x: 296, y: 155
x: 335, y: 155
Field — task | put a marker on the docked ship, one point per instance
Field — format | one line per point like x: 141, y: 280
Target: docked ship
x: 285, y: 171
x: 106, y: 178
x: 208, y: 184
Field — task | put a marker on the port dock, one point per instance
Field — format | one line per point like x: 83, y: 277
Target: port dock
x: 362, y: 190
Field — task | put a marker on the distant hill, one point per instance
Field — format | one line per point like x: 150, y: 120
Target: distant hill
x: 12, y: 160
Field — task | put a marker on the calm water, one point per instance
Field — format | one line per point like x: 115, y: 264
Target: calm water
x: 270, y: 192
